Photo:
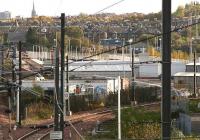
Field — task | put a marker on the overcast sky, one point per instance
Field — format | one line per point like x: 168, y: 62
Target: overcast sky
x: 74, y: 7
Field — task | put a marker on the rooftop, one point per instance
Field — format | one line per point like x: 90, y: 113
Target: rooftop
x: 191, y: 64
x: 186, y: 74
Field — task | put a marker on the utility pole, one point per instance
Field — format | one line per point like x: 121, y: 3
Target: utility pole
x: 2, y: 61
x: 195, y: 81
x: 133, y: 78
x: 10, y: 107
x: 166, y: 70
x: 20, y: 83
x: 14, y: 81
x: 123, y: 43
x: 119, y: 109
x: 62, y: 79
x: 190, y: 34
x: 196, y: 20
x: 56, y: 94
x: 67, y: 86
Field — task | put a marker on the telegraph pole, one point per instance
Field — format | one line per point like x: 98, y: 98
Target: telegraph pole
x: 166, y: 69
x: 62, y: 79
x: 56, y: 93
x: 195, y: 81
x: 67, y: 82
x: 133, y: 79
x: 14, y: 82
x: 119, y: 109
x: 20, y: 83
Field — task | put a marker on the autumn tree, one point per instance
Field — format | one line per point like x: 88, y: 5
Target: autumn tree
x: 31, y: 36
x: 180, y: 12
x: 74, y: 32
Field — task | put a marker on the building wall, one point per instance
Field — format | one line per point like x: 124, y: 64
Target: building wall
x: 149, y: 70
x: 177, y: 67
x: 154, y: 70
x: 185, y: 82
x: 190, y: 68
x: 89, y: 74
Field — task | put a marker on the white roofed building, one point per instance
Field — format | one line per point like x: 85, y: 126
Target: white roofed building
x: 114, y: 69
x: 186, y: 80
x: 190, y: 67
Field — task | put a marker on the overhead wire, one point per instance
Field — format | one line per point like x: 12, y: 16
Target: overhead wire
x: 108, y: 7
x: 136, y: 42
x: 25, y: 88
x: 133, y: 43
x: 125, y: 44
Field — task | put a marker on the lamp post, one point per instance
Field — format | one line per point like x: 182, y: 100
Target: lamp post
x: 133, y: 101
x: 160, y: 41
x: 123, y: 43
x: 196, y: 20
x: 195, y: 81
x: 119, y: 109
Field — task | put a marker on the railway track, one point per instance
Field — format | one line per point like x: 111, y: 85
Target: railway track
x: 1, y: 133
x: 148, y: 104
x: 37, y: 134
x: 44, y: 133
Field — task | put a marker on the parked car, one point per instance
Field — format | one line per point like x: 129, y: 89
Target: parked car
x: 39, y: 77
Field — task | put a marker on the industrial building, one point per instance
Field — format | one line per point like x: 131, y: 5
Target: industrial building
x: 186, y: 80
x: 102, y: 68
x: 190, y: 67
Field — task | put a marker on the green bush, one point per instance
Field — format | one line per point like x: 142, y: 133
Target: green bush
x: 142, y: 95
x: 85, y: 102
x: 40, y: 110
x: 193, y: 106
x: 133, y: 125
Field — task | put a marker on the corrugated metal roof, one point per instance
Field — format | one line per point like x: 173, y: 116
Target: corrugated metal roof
x: 186, y: 74
x: 101, y: 62
x: 102, y: 68
x: 191, y: 64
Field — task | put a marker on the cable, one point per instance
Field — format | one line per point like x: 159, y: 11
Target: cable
x: 143, y: 62
x: 81, y: 66
x: 109, y: 7
x: 26, y: 89
x: 136, y: 42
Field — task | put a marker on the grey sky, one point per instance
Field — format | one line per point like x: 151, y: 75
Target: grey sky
x: 74, y: 7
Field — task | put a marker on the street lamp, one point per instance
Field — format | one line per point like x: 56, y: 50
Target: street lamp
x: 119, y: 109
x: 160, y: 41
x: 133, y: 101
